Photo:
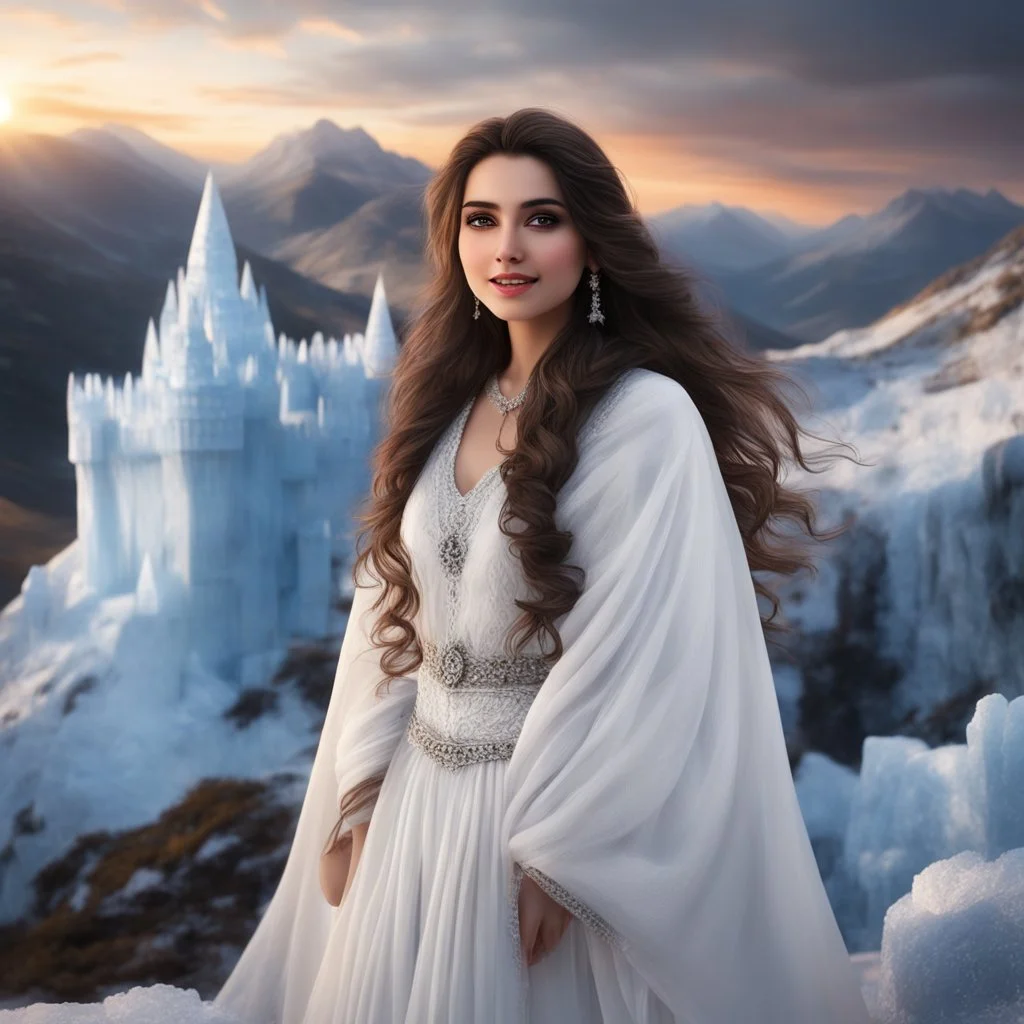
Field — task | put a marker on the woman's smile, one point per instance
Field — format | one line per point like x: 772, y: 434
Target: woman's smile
x: 510, y: 290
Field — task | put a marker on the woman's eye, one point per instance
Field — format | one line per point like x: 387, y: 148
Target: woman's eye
x: 548, y: 216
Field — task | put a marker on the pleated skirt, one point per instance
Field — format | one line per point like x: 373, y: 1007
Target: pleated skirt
x: 427, y: 933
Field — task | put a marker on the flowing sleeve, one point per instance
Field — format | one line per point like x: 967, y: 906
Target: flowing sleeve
x: 274, y: 976
x: 372, y: 726
x: 649, y: 790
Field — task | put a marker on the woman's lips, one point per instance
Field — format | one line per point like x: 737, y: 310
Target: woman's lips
x: 512, y: 289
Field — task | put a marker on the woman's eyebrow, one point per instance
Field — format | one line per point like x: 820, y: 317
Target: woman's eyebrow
x: 522, y: 206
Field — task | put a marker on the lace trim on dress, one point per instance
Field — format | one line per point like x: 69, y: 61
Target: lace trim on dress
x: 561, y: 895
x: 576, y: 907
x: 457, y: 513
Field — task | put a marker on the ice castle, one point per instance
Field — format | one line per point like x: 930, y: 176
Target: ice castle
x: 218, y: 485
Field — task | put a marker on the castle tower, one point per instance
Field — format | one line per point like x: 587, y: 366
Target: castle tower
x: 91, y: 447
x: 138, y: 472
x: 261, y: 562
x: 200, y: 439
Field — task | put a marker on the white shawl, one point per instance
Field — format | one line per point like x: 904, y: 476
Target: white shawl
x: 650, y: 782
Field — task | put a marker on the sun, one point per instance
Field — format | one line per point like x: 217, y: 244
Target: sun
x: 6, y: 108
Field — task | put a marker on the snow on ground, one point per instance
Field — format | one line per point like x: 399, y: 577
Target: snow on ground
x: 870, y: 387
x: 106, y: 725
x: 157, y: 1004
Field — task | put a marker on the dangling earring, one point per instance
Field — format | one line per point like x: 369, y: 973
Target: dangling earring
x: 476, y: 311
x: 596, y: 316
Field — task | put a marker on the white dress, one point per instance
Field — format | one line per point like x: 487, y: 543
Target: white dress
x: 642, y: 779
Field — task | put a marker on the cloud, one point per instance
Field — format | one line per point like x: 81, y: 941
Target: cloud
x: 267, y: 45
x: 210, y: 9
x: 839, y: 44
x: 78, y: 59
x: 41, y: 105
x: 861, y: 93
x: 260, y: 96
x: 328, y: 27
x: 39, y: 17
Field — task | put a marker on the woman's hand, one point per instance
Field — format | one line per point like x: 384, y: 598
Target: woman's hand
x: 542, y: 921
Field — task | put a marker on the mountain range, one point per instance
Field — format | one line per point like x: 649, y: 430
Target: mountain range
x: 809, y: 284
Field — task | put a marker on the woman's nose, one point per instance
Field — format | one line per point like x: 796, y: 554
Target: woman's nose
x: 509, y: 247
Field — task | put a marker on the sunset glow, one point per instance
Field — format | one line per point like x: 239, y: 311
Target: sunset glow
x: 759, y: 118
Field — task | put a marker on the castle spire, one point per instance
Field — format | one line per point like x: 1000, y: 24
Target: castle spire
x: 380, y: 348
x: 248, y: 286
x: 211, y: 267
x: 150, y: 352
x: 169, y: 313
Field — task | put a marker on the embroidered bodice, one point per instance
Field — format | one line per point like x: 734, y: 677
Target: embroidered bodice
x: 471, y: 698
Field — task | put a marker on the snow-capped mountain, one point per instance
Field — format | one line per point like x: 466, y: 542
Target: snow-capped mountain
x: 853, y: 272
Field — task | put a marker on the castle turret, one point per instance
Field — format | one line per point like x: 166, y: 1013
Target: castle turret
x: 256, y: 327
x: 192, y: 361
x: 92, y: 447
x: 298, y: 385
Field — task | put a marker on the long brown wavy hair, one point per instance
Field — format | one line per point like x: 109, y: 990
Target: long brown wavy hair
x: 652, y: 320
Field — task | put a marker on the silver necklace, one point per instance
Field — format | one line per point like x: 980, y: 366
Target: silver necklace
x: 505, y: 405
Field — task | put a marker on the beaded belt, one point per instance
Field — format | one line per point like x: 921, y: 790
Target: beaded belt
x: 452, y: 665
x: 471, y: 708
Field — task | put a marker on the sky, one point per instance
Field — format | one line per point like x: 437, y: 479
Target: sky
x: 808, y: 108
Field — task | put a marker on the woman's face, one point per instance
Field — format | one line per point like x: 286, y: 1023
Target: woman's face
x: 498, y: 235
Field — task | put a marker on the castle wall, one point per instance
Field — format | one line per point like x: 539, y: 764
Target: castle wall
x: 260, y: 626
x: 98, y: 513
x: 203, y: 545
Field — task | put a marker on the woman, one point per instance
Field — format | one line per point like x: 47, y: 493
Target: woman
x: 553, y: 759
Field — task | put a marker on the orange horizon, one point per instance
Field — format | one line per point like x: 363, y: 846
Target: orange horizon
x: 664, y: 181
